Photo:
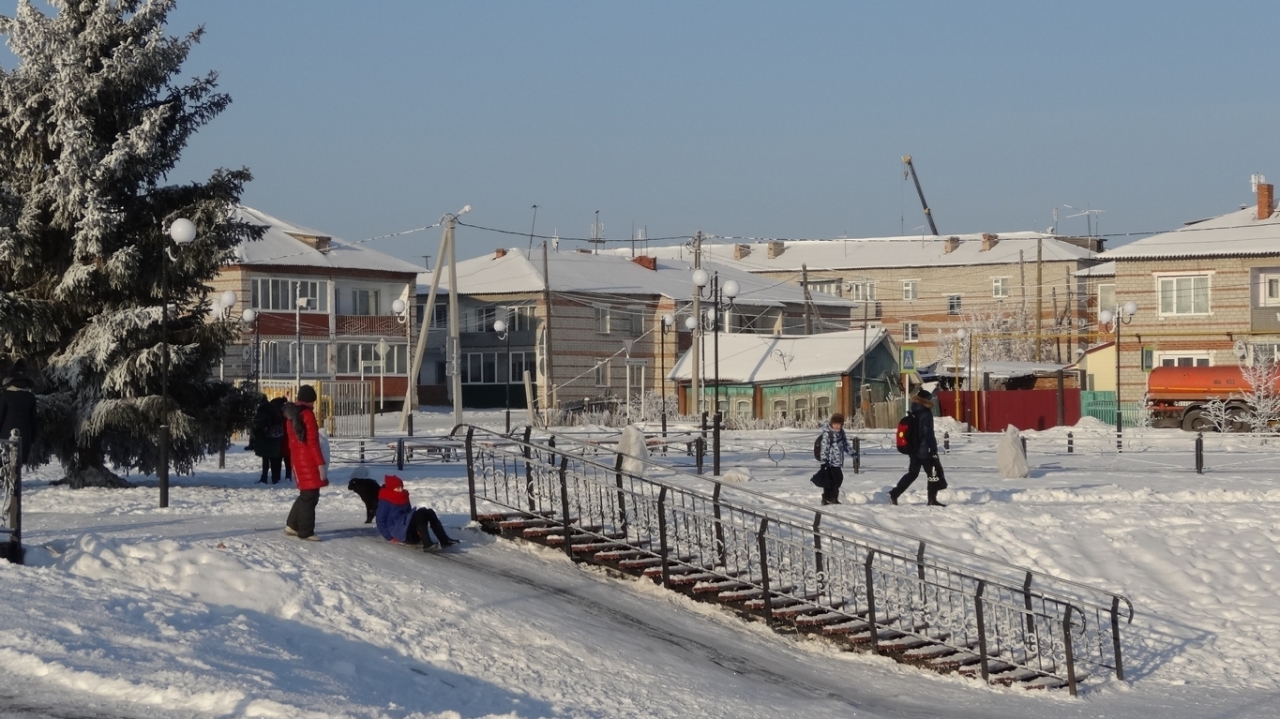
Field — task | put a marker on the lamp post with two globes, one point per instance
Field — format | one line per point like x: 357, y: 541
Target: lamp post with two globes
x: 1122, y: 315
x: 500, y: 326
x: 668, y: 322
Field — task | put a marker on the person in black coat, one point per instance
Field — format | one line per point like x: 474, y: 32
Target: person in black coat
x: 925, y: 454
x: 266, y: 438
x: 18, y: 408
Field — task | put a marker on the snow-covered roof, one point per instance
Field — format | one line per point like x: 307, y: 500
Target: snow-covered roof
x: 1235, y: 233
x: 1106, y: 269
x: 578, y: 272
x: 751, y: 359
x: 999, y: 370
x: 879, y: 252
x: 281, y: 246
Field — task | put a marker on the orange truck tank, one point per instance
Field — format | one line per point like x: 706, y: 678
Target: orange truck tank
x: 1176, y: 396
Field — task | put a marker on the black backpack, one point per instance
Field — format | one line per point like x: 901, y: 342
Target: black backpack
x: 817, y: 444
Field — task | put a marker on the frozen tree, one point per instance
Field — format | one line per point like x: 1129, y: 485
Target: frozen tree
x: 92, y: 121
x: 995, y: 336
x: 1219, y: 414
x: 1263, y: 395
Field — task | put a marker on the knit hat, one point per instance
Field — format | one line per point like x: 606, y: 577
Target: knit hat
x: 393, y: 490
x: 307, y: 393
x: 923, y: 394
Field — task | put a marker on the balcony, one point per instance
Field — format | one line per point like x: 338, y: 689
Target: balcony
x: 368, y: 326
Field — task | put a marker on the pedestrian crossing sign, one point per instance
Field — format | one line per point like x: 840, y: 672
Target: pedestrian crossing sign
x: 906, y: 359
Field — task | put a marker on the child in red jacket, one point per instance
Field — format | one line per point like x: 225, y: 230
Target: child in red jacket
x: 398, y: 521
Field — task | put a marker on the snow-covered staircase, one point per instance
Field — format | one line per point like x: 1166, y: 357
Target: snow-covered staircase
x: 801, y: 571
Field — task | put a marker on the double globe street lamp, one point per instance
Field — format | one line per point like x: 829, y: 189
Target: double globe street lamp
x: 1122, y: 315
x: 721, y: 298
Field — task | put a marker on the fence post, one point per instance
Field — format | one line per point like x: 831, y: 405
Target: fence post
x: 946, y: 443
x: 1115, y: 635
x: 920, y: 561
x: 871, y: 603
x: 764, y: 570
x: 1062, y: 398
x: 700, y: 450
x: 1026, y: 596
x: 564, y: 503
x: 1024, y: 444
x: 1066, y: 644
x: 982, y: 628
x: 528, y: 468
x: 715, y: 445
x: 662, y: 537
x: 1200, y: 453
x: 15, y: 500
x: 400, y: 454
x: 721, y: 550
x: 622, y: 497
x: 857, y: 455
x: 1071, y: 443
x: 362, y: 451
x: 471, y: 471
x: 817, y: 551
x: 411, y: 424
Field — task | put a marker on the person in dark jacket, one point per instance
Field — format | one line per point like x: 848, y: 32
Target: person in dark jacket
x: 399, y: 522
x: 835, y: 445
x: 309, y: 467
x: 267, y: 439
x: 18, y: 409
x: 925, y: 455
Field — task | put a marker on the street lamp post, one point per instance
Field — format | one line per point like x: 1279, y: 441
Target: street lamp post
x: 955, y: 359
x: 298, y: 303
x: 668, y: 321
x: 500, y: 326
x: 182, y: 232
x: 250, y: 318
x: 400, y: 309
x: 717, y: 296
x: 223, y: 305
x: 1122, y: 315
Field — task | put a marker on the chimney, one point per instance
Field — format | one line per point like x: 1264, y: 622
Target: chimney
x: 776, y: 248
x: 951, y: 244
x: 499, y: 253
x: 1265, y: 206
x: 989, y: 240
x: 645, y: 261
x: 740, y: 251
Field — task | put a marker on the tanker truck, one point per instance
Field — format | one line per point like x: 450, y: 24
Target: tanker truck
x: 1176, y: 397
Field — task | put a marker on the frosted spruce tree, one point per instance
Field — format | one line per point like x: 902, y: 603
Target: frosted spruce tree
x: 91, y: 124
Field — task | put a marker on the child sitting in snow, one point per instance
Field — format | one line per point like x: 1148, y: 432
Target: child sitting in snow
x: 399, y: 522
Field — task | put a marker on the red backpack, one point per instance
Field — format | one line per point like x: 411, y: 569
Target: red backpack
x: 906, y: 435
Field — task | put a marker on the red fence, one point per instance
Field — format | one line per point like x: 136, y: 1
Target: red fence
x: 1022, y: 408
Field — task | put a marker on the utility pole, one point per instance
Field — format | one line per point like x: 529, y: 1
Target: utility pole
x: 455, y: 331
x: 695, y: 356
x: 548, y: 393
x: 1039, y: 292
x: 429, y: 313
x: 804, y: 282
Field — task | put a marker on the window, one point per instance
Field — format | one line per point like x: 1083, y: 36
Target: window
x: 279, y: 295
x: 364, y: 302
x: 602, y: 373
x: 999, y: 287
x: 1183, y: 359
x: 635, y: 320
x: 826, y: 287
x: 953, y: 304
x: 480, y: 368
x: 910, y: 290
x: 1107, y: 297
x: 521, y: 361
x: 780, y: 408
x: 1184, y: 295
x: 519, y: 318
x: 1148, y: 359
x: 862, y: 291
x: 1270, y: 290
x: 278, y: 358
x: 362, y: 358
x: 822, y: 407
x: 801, y: 410
x: 1264, y: 353
x: 910, y: 331
x: 744, y: 408
x: 602, y: 319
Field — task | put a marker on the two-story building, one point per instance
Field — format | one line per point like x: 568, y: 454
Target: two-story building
x: 606, y: 332
x: 923, y: 288
x: 323, y: 309
x: 1207, y: 294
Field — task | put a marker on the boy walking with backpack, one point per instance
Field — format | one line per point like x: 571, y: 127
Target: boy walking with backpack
x: 830, y: 449
x: 916, y: 439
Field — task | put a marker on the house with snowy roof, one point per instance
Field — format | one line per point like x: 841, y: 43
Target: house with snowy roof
x: 1207, y: 293
x: 606, y: 331
x: 797, y: 377
x: 323, y: 307
x: 923, y: 288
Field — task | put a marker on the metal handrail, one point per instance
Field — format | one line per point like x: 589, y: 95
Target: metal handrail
x: 916, y: 539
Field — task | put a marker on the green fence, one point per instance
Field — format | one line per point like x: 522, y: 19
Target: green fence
x: 1102, y: 406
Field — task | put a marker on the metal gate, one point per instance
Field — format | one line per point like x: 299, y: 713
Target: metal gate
x: 11, y: 499
x: 345, y: 408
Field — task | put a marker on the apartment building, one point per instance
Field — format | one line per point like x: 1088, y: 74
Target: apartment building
x: 607, y: 332
x: 922, y: 289
x: 338, y: 298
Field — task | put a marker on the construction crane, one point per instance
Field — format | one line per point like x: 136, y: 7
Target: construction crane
x: 906, y: 160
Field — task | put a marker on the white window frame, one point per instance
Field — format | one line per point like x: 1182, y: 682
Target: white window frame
x: 910, y: 290
x: 472, y: 357
x: 635, y: 319
x: 1000, y: 287
x: 826, y: 287
x: 519, y: 362
x: 1268, y: 282
x: 862, y: 291
x: 910, y: 331
x: 349, y: 357
x: 1194, y: 355
x: 260, y: 294
x: 372, y: 300
x: 602, y: 320
x: 959, y: 303
x: 519, y: 318
x: 1174, y: 277
x: 1107, y: 304
x: 1254, y: 352
x: 602, y: 373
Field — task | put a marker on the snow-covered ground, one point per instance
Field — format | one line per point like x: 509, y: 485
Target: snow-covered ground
x: 207, y: 609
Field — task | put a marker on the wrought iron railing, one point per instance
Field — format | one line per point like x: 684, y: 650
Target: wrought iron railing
x: 707, y: 535
x: 11, y: 499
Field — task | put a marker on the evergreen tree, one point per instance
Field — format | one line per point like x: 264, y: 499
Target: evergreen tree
x: 92, y: 122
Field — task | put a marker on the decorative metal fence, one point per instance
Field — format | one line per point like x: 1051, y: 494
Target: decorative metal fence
x: 11, y: 499
x: 849, y: 576
x: 345, y: 408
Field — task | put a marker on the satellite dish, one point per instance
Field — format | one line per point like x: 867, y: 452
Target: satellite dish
x: 1240, y: 350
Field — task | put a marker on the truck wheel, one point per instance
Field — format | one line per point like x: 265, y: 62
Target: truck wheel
x: 1238, y: 420
x: 1195, y: 421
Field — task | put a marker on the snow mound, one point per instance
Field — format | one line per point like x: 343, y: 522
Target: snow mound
x: 736, y: 474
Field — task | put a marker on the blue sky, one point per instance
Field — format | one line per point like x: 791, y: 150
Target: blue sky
x: 746, y: 118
